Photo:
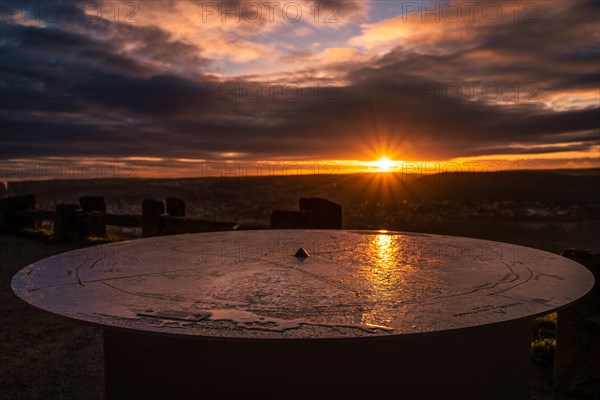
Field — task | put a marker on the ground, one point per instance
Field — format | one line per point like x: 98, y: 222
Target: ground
x: 43, y: 356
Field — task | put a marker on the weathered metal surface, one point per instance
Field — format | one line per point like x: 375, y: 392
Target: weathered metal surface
x: 354, y: 284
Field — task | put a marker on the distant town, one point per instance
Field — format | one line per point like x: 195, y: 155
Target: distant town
x: 551, y: 210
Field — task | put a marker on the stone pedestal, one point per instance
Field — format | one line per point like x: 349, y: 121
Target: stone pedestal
x: 326, y: 214
x: 92, y: 203
x: 92, y: 223
x: 175, y: 207
x: 488, y: 362
x: 13, y: 213
x: 65, y: 222
x: 151, y: 212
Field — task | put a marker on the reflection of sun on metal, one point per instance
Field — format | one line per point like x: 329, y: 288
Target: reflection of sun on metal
x: 383, y: 247
x: 383, y: 275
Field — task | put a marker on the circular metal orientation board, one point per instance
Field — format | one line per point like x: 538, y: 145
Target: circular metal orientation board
x: 251, y: 284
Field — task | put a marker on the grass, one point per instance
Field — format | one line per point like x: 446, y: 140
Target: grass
x: 543, y: 342
x: 47, y: 235
x: 94, y: 240
x: 36, y: 233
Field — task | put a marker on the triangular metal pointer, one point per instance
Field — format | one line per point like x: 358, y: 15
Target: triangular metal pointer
x: 301, y: 253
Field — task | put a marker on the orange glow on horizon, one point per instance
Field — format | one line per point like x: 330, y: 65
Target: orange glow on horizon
x: 383, y: 171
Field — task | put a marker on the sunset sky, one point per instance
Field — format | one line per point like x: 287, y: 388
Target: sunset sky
x: 172, y: 86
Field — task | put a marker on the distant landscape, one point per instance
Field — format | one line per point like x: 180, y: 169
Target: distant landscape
x: 550, y: 210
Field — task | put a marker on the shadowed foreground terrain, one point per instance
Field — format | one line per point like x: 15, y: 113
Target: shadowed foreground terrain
x: 43, y: 356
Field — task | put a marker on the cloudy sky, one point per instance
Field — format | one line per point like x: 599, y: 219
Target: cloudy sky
x: 173, y: 85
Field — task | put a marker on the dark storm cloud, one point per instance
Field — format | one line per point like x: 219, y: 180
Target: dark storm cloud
x: 32, y: 54
x: 71, y: 44
x: 78, y: 92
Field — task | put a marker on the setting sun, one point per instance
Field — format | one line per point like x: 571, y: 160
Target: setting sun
x: 384, y: 164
